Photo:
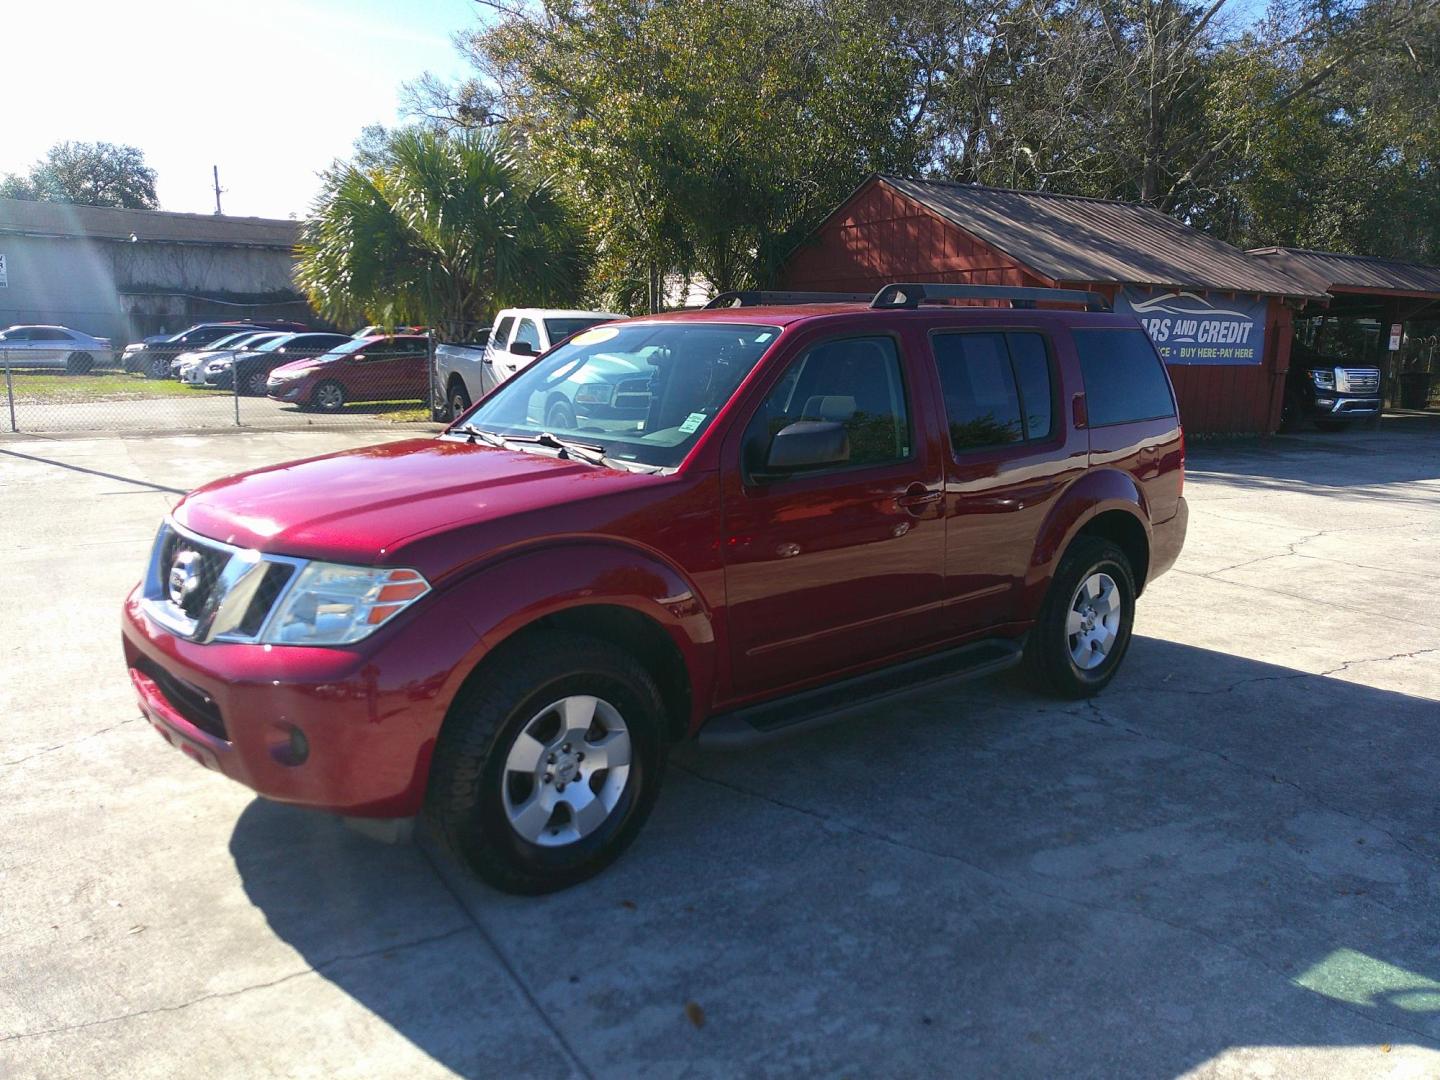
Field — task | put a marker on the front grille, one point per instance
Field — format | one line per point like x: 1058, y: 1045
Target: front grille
x: 205, y: 590
x: 188, y: 700
x: 277, y: 576
x: 189, y: 571
x: 633, y: 394
x: 1357, y: 380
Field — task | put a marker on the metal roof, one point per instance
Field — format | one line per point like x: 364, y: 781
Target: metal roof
x: 25, y: 218
x: 1331, y: 271
x: 1072, y: 238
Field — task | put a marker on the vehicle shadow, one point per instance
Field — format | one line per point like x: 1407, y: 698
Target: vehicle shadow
x: 1215, y: 855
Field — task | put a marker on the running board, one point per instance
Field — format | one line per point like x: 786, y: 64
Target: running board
x: 810, y: 709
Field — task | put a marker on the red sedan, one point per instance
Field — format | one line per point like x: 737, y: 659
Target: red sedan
x: 379, y: 368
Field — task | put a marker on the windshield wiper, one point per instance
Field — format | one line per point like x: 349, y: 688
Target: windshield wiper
x: 489, y: 436
x: 595, y: 455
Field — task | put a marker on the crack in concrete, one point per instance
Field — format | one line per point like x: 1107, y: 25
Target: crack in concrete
x: 1308, y: 599
x: 1013, y: 885
x: 1103, y: 720
x: 317, y: 969
x: 63, y: 745
x: 509, y: 968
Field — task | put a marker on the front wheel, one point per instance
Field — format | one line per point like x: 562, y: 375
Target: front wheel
x: 548, y: 764
x: 1077, y: 643
x: 328, y: 397
x: 79, y: 363
x: 252, y: 384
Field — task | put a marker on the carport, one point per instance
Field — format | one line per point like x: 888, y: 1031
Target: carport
x: 1370, y: 298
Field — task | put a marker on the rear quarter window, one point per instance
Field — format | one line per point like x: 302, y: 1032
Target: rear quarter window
x: 1124, y: 378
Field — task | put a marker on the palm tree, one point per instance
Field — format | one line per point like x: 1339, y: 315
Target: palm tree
x: 445, y: 230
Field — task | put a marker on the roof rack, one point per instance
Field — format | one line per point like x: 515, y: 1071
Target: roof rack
x: 913, y: 293
x: 757, y: 297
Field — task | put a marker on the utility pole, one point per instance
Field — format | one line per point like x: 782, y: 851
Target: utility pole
x: 215, y: 170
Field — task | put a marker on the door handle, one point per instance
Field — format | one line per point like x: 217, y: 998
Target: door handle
x: 917, y: 496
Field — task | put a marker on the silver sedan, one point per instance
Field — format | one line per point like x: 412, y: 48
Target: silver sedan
x: 54, y: 347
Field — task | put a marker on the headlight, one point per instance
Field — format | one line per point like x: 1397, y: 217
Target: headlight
x: 1323, y: 379
x: 594, y: 394
x: 330, y: 604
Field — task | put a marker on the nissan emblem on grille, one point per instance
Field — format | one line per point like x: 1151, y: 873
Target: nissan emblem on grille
x: 184, y: 577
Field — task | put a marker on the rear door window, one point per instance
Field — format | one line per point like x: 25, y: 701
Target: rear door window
x: 996, y: 386
x: 1124, y: 379
x: 501, y: 337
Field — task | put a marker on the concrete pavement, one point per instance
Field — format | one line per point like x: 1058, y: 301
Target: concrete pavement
x: 1225, y: 866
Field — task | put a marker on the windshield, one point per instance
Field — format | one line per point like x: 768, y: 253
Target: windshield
x: 643, y: 392
x: 563, y: 328
x: 275, y: 343
x: 231, y: 339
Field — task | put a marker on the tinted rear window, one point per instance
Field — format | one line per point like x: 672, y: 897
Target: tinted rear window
x: 1124, y: 380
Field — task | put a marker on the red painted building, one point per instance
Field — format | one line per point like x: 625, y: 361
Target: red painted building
x: 896, y: 229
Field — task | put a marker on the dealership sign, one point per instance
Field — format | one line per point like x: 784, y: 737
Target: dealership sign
x: 1189, y: 329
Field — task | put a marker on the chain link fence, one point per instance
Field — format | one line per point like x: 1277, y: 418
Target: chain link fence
x: 236, y: 376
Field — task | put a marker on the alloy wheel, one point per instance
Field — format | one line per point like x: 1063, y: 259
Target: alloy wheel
x: 566, y: 771
x: 1093, y: 624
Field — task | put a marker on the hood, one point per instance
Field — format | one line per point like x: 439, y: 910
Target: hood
x: 362, y: 506
x: 294, y: 368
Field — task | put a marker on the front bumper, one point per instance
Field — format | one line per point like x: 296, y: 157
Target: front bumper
x: 369, y: 716
x: 1331, y: 406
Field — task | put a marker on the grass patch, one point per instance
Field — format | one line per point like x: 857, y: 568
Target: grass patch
x: 33, y: 387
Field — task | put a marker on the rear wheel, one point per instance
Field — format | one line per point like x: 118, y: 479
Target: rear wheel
x: 329, y: 396
x: 79, y: 363
x: 458, y: 399
x: 158, y: 368
x: 548, y: 763
x: 1080, y: 638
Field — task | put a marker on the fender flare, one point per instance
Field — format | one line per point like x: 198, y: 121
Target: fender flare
x: 1094, y: 493
x: 504, y: 596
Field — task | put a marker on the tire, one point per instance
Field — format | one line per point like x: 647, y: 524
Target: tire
x: 329, y: 397
x: 79, y: 363
x: 1332, y: 425
x: 457, y: 400
x: 560, y: 414
x: 1290, y: 414
x: 476, y: 794
x: 1050, y: 653
x: 253, y: 384
x: 158, y: 369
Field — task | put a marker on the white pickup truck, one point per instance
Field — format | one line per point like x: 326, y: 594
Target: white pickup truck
x: 467, y: 373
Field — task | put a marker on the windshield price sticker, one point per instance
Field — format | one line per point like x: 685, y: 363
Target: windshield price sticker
x: 594, y: 337
x: 693, y: 421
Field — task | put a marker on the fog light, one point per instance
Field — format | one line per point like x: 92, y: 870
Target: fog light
x: 287, y: 744
x: 1324, y: 401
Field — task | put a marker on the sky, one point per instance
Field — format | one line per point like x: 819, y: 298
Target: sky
x: 271, y: 91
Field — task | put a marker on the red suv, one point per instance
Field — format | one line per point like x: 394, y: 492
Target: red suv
x: 797, y: 510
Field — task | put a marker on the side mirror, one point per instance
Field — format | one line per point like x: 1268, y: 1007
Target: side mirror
x: 523, y: 348
x: 807, y: 444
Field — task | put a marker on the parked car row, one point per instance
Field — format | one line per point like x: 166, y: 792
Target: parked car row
x: 152, y: 357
